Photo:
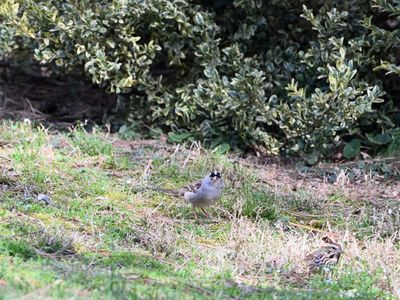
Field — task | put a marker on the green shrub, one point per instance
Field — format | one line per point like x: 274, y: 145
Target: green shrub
x: 269, y: 75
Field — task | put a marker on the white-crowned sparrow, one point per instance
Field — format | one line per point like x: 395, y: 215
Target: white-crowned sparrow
x: 201, y: 194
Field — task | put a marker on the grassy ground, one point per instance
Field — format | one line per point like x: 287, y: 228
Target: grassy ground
x: 106, y: 235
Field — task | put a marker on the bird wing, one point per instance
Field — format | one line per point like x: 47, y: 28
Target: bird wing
x: 193, y: 187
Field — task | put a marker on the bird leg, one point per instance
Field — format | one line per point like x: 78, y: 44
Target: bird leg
x: 205, y: 213
x: 194, y: 212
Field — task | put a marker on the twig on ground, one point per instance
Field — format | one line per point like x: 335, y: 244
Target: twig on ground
x: 305, y: 227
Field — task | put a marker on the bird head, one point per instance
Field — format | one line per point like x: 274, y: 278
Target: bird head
x: 215, y: 176
x: 331, y: 243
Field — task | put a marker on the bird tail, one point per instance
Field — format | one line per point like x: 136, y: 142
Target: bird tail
x: 171, y: 192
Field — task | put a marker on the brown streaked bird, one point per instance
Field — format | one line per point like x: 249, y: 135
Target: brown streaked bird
x: 200, y: 194
x: 326, y: 256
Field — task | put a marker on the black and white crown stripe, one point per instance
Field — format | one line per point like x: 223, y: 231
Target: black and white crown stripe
x: 215, y: 174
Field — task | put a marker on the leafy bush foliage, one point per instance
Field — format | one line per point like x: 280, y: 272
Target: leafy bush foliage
x: 275, y: 76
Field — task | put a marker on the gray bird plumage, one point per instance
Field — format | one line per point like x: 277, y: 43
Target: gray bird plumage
x: 209, y: 191
x: 201, y: 194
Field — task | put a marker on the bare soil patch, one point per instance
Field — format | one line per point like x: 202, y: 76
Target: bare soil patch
x: 56, y: 101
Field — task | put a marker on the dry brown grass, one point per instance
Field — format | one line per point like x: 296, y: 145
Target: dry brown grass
x: 103, y: 209
x: 255, y: 250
